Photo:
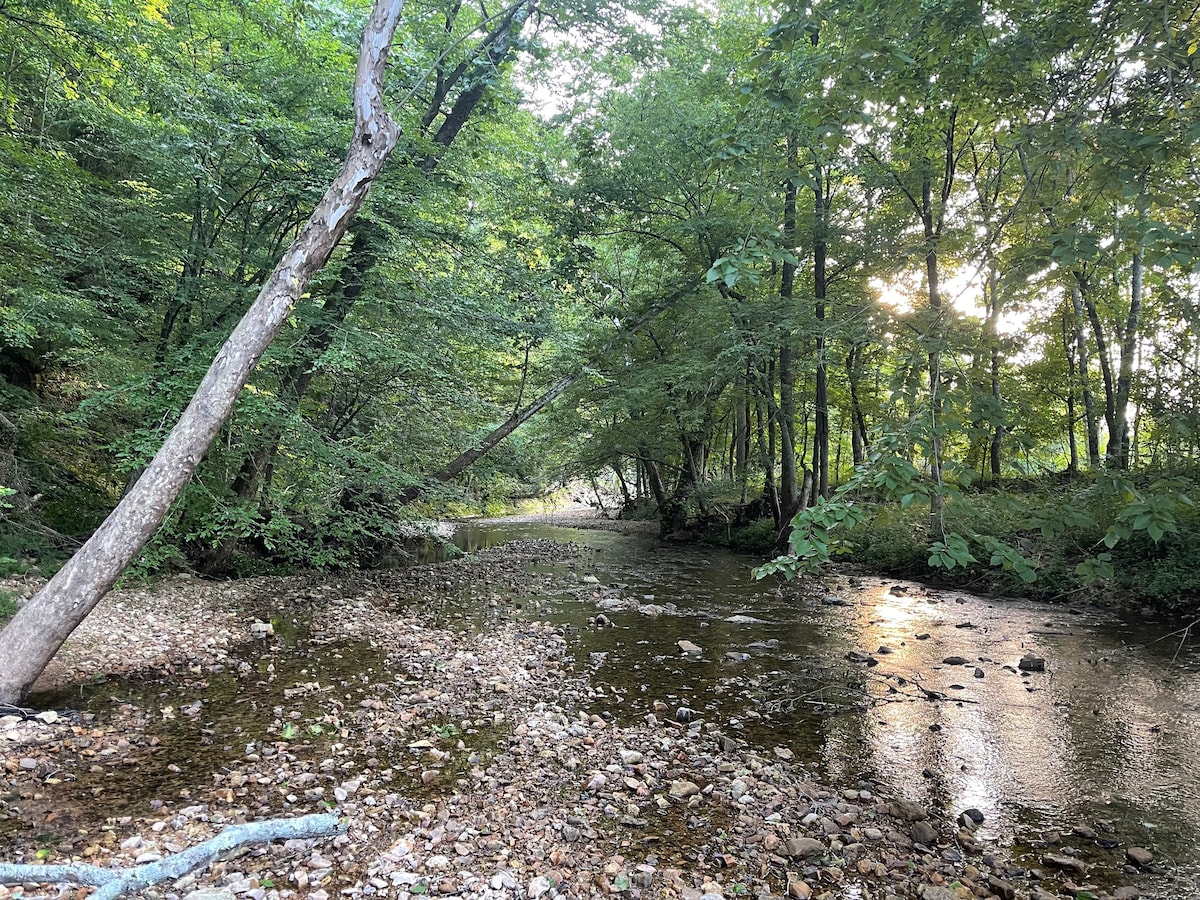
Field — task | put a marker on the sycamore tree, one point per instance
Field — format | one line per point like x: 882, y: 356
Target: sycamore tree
x: 39, y: 628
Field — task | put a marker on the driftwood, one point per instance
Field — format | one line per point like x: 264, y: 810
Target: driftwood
x: 118, y: 882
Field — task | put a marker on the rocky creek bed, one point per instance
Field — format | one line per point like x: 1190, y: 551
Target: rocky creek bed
x: 467, y: 755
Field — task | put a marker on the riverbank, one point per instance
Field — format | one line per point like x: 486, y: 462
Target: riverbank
x: 463, y: 747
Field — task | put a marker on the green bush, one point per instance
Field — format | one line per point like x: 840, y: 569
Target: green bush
x: 892, y: 542
x: 1109, y: 538
x: 757, y: 537
x: 8, y: 605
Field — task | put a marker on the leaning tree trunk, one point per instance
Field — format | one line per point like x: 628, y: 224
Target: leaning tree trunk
x: 39, y: 628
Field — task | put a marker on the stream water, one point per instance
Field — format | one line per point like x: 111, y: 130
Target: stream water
x: 857, y: 681
x: 1108, y: 736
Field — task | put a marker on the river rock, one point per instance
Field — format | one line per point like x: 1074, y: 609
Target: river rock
x: 689, y: 648
x: 1139, y: 856
x: 798, y: 889
x: 681, y: 790
x: 834, y: 600
x: 1031, y: 663
x: 1066, y: 863
x: 726, y: 744
x: 537, y: 887
x: 955, y: 661
x: 589, y: 579
x: 803, y: 847
x: 740, y: 619
x: 1001, y: 888
x: 923, y: 833
x: 909, y: 811
x: 262, y: 629
x: 859, y: 657
x: 971, y: 817
x: 1128, y: 892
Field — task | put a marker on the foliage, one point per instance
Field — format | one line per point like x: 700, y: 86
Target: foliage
x: 943, y: 261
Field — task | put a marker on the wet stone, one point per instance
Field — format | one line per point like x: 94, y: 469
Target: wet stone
x: 1066, y: 863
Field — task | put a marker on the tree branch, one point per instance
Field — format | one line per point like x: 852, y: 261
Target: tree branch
x: 118, y: 882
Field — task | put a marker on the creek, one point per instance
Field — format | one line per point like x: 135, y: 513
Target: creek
x: 856, y: 679
x: 1107, y: 737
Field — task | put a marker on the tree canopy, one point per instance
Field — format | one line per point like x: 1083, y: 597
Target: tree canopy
x: 918, y: 279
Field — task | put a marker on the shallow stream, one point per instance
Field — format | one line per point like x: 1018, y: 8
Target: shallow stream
x: 856, y: 680
x: 1108, y: 736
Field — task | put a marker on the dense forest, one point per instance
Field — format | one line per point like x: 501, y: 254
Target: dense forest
x: 920, y: 278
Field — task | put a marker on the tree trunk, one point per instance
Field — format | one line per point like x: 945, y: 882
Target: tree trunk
x: 937, y: 500
x: 993, y: 329
x: 1072, y: 443
x: 1118, y: 437
x: 1082, y: 366
x: 765, y: 438
x: 789, y: 499
x: 39, y: 628
x: 822, y: 202
x: 1106, y: 373
x: 654, y: 480
x: 859, y: 438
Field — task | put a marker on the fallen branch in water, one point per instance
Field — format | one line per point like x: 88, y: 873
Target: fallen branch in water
x: 1185, y: 633
x: 118, y: 882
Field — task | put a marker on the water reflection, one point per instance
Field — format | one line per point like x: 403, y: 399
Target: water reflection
x: 1107, y: 733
